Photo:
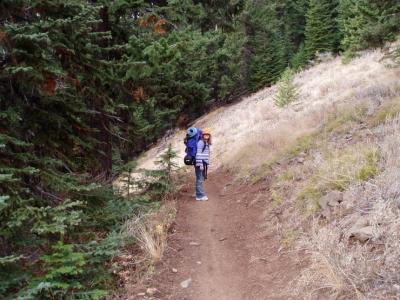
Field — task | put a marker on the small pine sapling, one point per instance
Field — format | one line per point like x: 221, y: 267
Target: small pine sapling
x: 163, y: 184
x: 287, y: 90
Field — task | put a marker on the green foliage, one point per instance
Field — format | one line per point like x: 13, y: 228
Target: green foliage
x: 287, y: 90
x: 63, y: 265
x: 321, y: 33
x: 275, y: 32
x: 367, y: 23
x: 299, y: 60
x: 162, y: 183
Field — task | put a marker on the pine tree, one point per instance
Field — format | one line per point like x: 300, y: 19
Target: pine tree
x: 299, y: 60
x: 287, y: 90
x: 321, y: 32
x: 275, y: 31
x: 368, y: 23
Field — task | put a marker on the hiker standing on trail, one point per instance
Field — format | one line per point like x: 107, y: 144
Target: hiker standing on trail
x: 202, y: 163
x: 198, y: 154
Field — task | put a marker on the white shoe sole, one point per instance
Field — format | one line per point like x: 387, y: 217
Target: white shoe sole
x: 202, y: 199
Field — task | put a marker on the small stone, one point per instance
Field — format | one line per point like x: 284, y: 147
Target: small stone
x: 348, y: 137
x: 326, y: 213
x: 323, y: 203
x: 185, y: 284
x: 198, y: 262
x: 362, y: 234
x: 141, y: 294
x: 151, y: 291
x: 349, y: 202
x: 300, y: 160
x: 222, y: 239
x: 334, y: 198
x: 174, y: 270
x: 194, y: 244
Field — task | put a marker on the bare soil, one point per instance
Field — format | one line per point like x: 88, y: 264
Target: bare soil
x: 225, y: 246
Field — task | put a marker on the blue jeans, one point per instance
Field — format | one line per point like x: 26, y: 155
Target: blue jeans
x: 199, y: 183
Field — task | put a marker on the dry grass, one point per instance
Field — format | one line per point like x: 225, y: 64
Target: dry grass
x: 334, y: 99
x: 388, y: 110
x: 150, y: 231
x: 254, y: 131
x: 344, y: 269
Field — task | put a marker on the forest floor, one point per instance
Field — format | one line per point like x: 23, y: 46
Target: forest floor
x: 223, y: 248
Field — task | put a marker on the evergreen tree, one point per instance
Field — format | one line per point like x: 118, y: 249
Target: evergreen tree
x: 299, y: 60
x: 321, y: 31
x: 287, y: 90
x: 266, y: 44
x: 368, y: 23
x: 275, y: 31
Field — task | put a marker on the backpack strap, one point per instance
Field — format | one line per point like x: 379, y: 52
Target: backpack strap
x: 204, y: 147
x: 205, y: 170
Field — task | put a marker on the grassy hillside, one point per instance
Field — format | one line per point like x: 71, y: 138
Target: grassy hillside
x: 332, y: 160
x: 259, y: 130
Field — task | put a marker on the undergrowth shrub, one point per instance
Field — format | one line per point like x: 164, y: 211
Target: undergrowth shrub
x: 66, y: 248
x: 163, y: 185
x: 287, y: 90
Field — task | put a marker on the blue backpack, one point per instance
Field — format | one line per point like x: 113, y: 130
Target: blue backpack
x: 191, y: 148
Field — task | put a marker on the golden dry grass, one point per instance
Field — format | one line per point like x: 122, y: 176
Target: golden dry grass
x: 150, y: 231
x: 341, y: 268
x: 254, y: 130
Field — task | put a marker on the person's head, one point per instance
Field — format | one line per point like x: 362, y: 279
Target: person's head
x: 192, y: 131
x: 206, y: 135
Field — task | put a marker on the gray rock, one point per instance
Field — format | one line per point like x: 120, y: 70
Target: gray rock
x: 174, y: 270
x: 332, y: 199
x: 349, y: 202
x: 360, y: 222
x: 326, y: 213
x: 194, y: 244
x: 151, y: 291
x: 186, y: 283
x: 300, y: 160
x: 323, y: 203
x: 362, y: 234
x: 141, y: 294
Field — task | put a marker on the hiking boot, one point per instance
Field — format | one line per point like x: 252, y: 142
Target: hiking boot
x: 204, y: 198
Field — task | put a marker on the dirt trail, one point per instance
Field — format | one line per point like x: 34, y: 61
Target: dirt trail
x: 225, y: 246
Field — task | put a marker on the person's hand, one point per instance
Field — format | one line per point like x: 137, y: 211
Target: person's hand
x: 201, y: 167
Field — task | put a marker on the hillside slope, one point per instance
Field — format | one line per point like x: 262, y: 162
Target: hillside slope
x: 259, y: 129
x: 306, y: 203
